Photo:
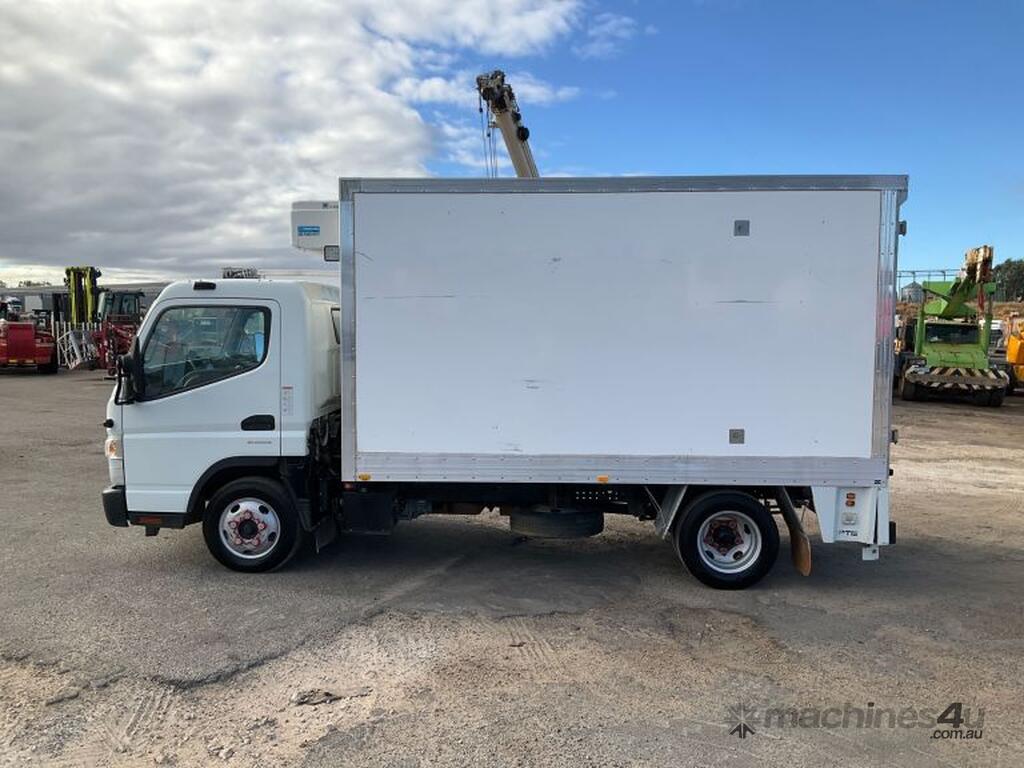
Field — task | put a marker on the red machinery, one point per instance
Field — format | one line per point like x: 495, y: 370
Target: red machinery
x: 120, y: 314
x: 23, y: 343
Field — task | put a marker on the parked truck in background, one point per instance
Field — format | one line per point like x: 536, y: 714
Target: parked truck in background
x: 945, y: 351
x: 25, y: 341
x: 559, y: 349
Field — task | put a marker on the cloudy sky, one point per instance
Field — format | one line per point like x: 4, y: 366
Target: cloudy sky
x: 169, y: 138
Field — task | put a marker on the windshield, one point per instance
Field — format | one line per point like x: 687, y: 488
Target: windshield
x: 949, y: 333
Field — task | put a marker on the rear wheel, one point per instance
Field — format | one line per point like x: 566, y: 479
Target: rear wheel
x: 727, y: 539
x: 251, y: 525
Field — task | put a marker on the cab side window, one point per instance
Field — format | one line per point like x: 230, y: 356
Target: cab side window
x: 193, y: 346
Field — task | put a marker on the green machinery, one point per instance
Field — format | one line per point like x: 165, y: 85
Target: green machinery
x: 945, y: 351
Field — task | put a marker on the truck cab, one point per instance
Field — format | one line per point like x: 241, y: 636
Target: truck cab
x: 950, y: 358
x: 222, y: 384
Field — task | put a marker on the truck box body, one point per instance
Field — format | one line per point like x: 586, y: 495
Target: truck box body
x: 728, y: 330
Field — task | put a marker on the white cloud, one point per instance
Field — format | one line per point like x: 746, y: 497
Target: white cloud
x: 172, y: 138
x: 460, y: 90
x: 463, y: 145
x: 530, y: 90
x: 606, y: 35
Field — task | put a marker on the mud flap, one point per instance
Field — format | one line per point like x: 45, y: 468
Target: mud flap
x: 325, y: 532
x: 799, y: 542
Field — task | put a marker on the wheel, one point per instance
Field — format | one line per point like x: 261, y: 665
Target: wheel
x: 909, y: 390
x: 727, y: 539
x: 251, y: 525
x: 995, y: 398
x: 50, y: 367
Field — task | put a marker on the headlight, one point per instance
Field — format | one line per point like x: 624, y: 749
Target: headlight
x: 115, y: 471
x: 115, y: 462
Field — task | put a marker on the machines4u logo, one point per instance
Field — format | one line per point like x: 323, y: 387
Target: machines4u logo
x: 955, y: 721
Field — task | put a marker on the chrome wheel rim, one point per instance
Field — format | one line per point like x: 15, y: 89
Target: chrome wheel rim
x: 249, y: 528
x: 729, y: 542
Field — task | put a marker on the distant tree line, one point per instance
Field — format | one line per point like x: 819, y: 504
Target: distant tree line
x: 1009, y: 279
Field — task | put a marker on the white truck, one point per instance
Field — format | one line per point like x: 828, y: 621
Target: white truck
x: 701, y: 352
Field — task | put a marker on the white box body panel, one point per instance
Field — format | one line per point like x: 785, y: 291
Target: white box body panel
x: 577, y: 330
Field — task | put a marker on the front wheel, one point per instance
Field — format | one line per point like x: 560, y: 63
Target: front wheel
x: 727, y: 539
x: 251, y: 525
x: 909, y: 390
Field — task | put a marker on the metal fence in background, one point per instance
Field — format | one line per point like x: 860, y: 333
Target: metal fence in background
x: 908, y: 283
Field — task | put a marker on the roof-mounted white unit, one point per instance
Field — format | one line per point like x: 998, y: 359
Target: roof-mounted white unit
x: 315, y: 227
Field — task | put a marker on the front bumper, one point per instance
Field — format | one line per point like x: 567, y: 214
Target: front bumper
x: 947, y: 377
x: 115, y: 506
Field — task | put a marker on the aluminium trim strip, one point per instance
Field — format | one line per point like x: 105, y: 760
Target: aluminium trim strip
x: 667, y: 470
x: 349, y: 186
x: 888, y: 234
x: 347, y: 257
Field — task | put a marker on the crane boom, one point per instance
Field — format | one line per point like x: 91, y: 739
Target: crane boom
x: 974, y: 282
x: 501, y: 101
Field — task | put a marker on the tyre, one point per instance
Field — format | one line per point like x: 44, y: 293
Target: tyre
x: 251, y: 525
x: 995, y: 398
x: 727, y: 539
x: 909, y: 390
x: 50, y: 367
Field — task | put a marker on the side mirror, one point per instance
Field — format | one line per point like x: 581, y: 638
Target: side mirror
x: 131, y: 383
x: 123, y: 389
x: 138, y: 373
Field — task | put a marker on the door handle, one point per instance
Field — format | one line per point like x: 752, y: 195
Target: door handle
x: 263, y: 422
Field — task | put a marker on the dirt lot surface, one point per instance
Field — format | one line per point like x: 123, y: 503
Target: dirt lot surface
x: 453, y: 643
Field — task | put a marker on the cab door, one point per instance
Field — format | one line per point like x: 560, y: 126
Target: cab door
x: 212, y: 371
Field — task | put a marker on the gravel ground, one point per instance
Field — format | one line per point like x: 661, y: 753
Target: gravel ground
x: 453, y: 643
